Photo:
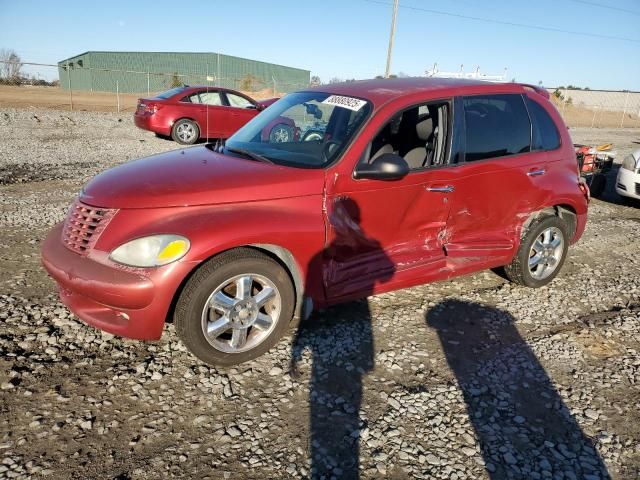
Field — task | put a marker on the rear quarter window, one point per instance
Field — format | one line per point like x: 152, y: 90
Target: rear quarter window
x: 545, y: 134
x: 496, y: 126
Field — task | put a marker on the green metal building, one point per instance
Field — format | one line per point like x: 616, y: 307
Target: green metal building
x: 146, y: 72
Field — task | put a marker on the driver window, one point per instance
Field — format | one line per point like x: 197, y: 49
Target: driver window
x: 418, y: 134
x: 238, y: 101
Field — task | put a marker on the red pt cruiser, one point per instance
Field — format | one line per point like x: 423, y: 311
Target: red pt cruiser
x: 411, y: 181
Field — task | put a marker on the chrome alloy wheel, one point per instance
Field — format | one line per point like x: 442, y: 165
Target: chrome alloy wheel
x: 280, y: 135
x: 546, y: 253
x: 186, y: 132
x: 241, y: 313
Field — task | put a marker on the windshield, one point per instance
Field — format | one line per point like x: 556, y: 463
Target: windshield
x: 306, y: 129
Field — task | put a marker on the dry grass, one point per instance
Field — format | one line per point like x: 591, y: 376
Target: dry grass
x: 578, y: 116
x: 57, y: 98
x: 54, y: 97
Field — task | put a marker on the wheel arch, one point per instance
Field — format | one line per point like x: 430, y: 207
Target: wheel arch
x: 564, y: 211
x: 278, y: 253
x: 173, y: 123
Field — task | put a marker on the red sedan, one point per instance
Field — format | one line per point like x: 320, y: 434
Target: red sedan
x: 189, y: 113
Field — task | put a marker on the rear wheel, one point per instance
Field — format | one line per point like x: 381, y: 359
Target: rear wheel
x: 185, y: 132
x: 541, y: 253
x: 235, y: 307
x: 281, y: 133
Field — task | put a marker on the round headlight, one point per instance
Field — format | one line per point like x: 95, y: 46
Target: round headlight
x: 152, y: 251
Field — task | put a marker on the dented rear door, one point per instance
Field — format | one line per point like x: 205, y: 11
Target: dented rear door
x: 496, y: 190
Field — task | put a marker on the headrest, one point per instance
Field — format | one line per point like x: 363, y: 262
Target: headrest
x: 424, y: 129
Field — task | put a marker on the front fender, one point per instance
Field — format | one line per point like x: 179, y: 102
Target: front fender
x: 294, y: 225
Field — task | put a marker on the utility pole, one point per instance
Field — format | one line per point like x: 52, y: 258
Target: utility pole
x: 393, y: 32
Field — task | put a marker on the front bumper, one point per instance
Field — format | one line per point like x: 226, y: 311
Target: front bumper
x: 129, y: 302
x: 628, y: 183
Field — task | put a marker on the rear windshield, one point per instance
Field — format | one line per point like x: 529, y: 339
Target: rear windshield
x: 170, y: 93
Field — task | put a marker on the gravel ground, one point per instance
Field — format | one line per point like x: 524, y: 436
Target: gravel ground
x: 469, y: 379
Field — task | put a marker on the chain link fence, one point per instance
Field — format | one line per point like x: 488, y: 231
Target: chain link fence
x: 597, y: 108
x: 99, y: 89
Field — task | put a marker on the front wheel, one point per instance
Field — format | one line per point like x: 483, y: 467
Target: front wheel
x: 185, y: 132
x: 541, y: 253
x: 235, y: 307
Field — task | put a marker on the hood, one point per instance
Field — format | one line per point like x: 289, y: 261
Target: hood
x: 197, y: 176
x: 269, y: 101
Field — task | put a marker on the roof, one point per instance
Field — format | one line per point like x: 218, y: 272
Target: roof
x: 141, y: 52
x: 381, y: 90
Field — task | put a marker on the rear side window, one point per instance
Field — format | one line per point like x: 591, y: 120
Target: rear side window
x: 496, y: 126
x: 544, y: 134
x: 207, y: 98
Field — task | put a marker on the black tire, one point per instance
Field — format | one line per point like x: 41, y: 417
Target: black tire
x: 518, y: 270
x: 185, y: 132
x: 598, y: 185
x: 629, y: 202
x: 281, y: 133
x: 188, y: 316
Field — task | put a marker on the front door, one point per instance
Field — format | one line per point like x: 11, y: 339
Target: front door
x: 239, y: 111
x: 388, y: 234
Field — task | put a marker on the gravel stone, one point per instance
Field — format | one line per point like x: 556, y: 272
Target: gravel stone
x: 470, y: 378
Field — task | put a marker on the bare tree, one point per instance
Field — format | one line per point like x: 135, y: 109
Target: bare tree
x: 11, y: 66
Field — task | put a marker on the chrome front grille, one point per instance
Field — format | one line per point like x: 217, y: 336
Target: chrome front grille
x: 83, y: 226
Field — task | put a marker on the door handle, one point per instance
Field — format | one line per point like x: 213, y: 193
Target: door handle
x: 447, y: 189
x: 537, y: 172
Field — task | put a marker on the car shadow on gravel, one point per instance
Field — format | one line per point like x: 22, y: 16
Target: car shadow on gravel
x: 341, y: 344
x: 523, y: 427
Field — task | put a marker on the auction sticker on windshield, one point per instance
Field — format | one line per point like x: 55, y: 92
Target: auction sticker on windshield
x: 354, y: 104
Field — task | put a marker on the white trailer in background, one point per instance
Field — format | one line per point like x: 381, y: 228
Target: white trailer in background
x: 435, y: 72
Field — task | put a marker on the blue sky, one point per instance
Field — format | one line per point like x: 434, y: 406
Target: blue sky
x: 348, y: 38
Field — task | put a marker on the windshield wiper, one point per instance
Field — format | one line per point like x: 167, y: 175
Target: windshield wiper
x: 248, y: 153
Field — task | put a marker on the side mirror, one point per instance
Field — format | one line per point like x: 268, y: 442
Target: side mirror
x: 388, y: 166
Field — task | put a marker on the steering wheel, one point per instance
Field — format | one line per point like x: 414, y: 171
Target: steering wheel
x: 479, y: 108
x: 329, y: 147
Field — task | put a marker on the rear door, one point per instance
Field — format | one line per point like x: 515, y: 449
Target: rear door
x: 206, y: 107
x: 500, y: 182
x: 240, y: 110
